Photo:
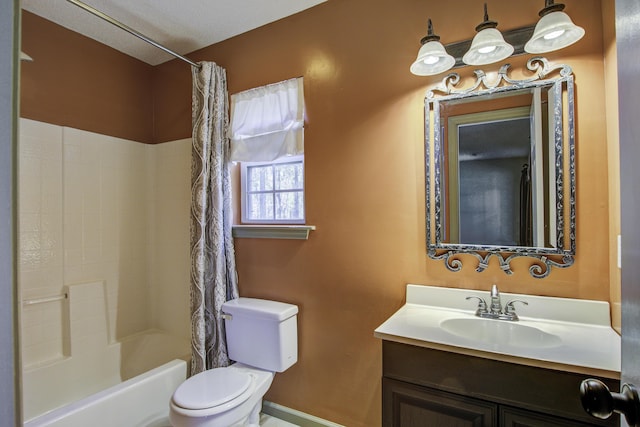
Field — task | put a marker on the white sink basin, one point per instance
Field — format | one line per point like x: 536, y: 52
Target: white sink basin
x: 500, y: 332
x: 558, y: 333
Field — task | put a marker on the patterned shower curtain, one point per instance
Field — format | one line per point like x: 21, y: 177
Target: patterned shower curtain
x: 213, y: 270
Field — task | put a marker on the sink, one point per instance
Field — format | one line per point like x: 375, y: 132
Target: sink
x: 500, y: 332
x: 572, y: 335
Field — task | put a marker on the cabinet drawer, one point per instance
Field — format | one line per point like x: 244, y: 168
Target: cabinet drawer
x: 409, y: 405
x: 513, y: 417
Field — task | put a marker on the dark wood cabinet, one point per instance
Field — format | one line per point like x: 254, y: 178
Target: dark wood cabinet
x: 411, y: 405
x: 513, y: 417
x: 423, y: 387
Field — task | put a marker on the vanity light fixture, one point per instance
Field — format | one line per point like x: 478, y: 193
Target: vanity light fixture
x: 488, y: 46
x: 554, y: 30
x: 432, y: 56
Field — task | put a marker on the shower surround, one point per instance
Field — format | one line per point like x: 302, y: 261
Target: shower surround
x: 108, y: 216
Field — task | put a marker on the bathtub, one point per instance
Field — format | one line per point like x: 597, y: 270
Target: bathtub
x: 126, y: 383
x: 142, y: 401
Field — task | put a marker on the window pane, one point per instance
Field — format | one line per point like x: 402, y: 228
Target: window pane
x: 273, y: 192
x: 260, y: 207
x: 290, y: 205
x: 289, y: 176
x: 260, y: 178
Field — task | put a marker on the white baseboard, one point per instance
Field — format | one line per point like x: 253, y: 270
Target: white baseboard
x: 295, y: 417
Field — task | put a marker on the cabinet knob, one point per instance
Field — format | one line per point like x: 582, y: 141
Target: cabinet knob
x: 601, y: 403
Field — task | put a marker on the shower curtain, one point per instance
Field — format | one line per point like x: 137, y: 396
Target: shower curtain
x: 213, y: 270
x: 525, y: 237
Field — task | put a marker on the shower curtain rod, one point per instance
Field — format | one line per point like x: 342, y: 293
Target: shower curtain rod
x: 130, y: 30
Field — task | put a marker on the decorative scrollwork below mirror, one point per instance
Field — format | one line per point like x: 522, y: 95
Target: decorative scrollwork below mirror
x: 500, y: 169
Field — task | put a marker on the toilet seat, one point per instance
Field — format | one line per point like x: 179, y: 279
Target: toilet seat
x: 218, y: 387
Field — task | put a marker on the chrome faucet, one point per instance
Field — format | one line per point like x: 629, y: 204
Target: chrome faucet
x: 496, y: 304
x: 495, y: 311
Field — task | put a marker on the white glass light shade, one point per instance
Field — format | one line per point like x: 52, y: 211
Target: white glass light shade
x: 432, y: 59
x: 487, y: 47
x: 553, y: 31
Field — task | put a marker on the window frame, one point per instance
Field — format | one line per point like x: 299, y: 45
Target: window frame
x: 244, y: 193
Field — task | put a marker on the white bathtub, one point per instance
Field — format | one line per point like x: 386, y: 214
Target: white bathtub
x: 137, y: 402
x: 132, y: 379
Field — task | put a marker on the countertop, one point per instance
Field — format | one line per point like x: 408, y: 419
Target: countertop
x: 587, y: 344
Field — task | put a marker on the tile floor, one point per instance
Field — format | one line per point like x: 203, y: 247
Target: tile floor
x: 269, y: 421
x: 265, y: 421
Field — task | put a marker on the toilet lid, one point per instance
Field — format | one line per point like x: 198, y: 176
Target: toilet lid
x: 211, y: 388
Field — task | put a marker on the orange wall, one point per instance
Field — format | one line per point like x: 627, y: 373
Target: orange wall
x: 365, y: 179
x: 77, y: 82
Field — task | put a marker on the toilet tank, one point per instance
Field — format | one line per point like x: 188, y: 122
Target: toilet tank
x: 262, y: 333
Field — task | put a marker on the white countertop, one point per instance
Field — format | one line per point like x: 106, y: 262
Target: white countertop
x: 587, y: 344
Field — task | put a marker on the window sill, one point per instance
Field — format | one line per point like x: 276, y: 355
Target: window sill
x: 299, y: 232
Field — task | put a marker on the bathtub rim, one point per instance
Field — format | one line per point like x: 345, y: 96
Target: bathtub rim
x: 60, y: 413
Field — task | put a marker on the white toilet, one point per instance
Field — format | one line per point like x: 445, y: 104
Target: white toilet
x: 262, y: 338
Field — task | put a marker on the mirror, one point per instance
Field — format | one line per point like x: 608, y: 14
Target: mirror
x: 500, y: 169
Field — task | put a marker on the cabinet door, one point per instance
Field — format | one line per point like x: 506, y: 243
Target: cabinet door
x: 409, y: 405
x: 513, y: 417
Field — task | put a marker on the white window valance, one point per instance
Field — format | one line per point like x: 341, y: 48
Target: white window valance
x: 267, y: 122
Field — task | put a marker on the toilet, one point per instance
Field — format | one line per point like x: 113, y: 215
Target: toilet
x: 262, y: 339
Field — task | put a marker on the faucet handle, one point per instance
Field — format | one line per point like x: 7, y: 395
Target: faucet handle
x: 482, y: 305
x: 509, y: 309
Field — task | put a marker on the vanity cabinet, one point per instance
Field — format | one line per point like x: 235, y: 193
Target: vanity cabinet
x: 424, y: 387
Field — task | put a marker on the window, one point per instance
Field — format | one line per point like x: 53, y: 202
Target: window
x: 273, y: 192
x: 267, y: 138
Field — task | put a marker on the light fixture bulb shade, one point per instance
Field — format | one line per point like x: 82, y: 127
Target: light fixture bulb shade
x: 432, y: 59
x: 558, y: 23
x: 487, y: 47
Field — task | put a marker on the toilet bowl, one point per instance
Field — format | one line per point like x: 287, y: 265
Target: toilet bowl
x: 262, y: 339
x: 221, y: 397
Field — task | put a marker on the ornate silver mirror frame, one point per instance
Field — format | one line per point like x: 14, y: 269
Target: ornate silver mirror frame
x: 545, y: 258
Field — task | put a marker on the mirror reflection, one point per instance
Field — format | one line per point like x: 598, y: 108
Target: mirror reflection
x: 500, y: 169
x: 498, y: 173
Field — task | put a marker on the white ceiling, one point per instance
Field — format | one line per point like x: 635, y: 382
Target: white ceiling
x: 181, y: 25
